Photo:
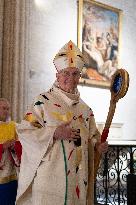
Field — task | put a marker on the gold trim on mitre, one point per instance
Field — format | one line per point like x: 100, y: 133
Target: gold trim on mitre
x: 69, y: 56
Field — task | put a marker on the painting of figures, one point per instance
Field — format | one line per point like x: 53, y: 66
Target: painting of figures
x: 99, y: 40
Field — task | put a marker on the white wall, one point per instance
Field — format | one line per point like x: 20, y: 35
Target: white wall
x: 54, y: 25
x: 49, y: 30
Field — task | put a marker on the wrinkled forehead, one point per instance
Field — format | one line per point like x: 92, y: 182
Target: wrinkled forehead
x: 70, y: 70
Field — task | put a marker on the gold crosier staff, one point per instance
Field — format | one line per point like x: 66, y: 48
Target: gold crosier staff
x: 119, y: 87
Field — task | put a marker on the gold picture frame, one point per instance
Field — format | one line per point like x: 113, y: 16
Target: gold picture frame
x: 99, y: 39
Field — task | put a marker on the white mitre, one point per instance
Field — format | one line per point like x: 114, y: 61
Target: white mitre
x: 69, y: 56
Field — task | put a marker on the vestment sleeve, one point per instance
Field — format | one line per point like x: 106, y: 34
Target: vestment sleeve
x: 35, y: 135
x: 35, y: 115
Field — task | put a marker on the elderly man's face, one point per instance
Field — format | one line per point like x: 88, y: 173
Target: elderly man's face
x: 4, y: 110
x: 68, y: 79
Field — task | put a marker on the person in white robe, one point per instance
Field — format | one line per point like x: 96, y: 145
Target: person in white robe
x: 61, y: 144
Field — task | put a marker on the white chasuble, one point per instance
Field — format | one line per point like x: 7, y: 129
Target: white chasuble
x: 55, y: 172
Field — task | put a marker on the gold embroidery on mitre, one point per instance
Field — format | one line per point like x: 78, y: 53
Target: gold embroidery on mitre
x: 71, y: 53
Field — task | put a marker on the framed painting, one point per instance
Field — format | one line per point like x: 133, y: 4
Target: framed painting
x: 99, y: 39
